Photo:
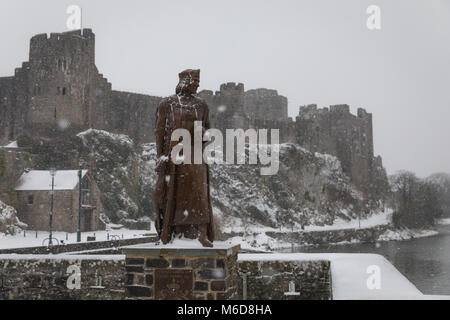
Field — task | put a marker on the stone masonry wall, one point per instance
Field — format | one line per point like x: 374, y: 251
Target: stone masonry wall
x: 369, y: 235
x: 215, y: 277
x: 47, y: 277
x: 82, y: 246
x: 134, y: 114
x: 269, y: 280
x: 111, y: 277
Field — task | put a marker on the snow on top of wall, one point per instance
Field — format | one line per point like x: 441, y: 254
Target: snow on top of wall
x: 62, y: 257
x: 42, y: 180
x: 183, y: 243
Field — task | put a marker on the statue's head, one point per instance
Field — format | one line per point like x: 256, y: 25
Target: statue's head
x: 189, y: 82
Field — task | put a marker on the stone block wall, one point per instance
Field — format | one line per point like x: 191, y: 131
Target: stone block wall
x: 369, y: 235
x: 82, y: 246
x: 270, y: 280
x: 47, y: 278
x: 116, y: 277
x: 201, y: 274
x: 133, y: 114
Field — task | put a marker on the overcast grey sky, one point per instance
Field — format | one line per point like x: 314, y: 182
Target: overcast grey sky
x: 311, y: 51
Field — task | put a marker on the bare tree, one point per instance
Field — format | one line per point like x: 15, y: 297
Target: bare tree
x: 417, y: 202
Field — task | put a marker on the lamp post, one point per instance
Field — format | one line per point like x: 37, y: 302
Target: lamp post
x: 80, y: 176
x: 52, y: 171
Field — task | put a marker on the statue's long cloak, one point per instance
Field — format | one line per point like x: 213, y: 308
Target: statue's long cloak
x: 182, y: 192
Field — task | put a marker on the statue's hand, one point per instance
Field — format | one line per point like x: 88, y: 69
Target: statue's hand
x: 161, y: 164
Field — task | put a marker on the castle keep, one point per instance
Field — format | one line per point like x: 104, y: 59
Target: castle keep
x: 61, y: 90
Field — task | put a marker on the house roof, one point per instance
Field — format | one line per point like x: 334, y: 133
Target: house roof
x: 41, y: 180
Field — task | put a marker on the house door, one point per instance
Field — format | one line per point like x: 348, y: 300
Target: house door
x: 87, y: 220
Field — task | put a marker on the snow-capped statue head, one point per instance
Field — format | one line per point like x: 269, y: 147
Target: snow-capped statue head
x: 189, y: 82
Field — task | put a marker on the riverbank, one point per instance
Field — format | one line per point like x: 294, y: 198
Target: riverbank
x: 372, y: 230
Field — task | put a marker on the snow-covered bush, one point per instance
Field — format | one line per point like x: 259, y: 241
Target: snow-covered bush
x: 9, y: 223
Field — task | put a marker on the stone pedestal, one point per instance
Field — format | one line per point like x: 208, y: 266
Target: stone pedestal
x: 159, y: 272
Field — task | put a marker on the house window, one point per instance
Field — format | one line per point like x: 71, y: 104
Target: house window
x: 58, y: 91
x: 30, y: 199
x: 64, y: 91
x: 86, y: 194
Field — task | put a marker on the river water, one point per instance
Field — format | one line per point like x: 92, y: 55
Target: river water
x: 425, y: 261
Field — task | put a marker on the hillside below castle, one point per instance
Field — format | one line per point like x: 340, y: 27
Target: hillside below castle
x: 60, y: 92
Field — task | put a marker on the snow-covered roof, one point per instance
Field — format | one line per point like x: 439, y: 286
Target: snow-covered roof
x: 11, y: 145
x: 42, y: 180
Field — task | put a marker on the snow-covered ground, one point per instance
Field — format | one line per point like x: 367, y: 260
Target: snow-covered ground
x: 30, y: 240
x: 444, y: 222
x: 255, y: 238
x: 406, y: 234
x: 351, y: 274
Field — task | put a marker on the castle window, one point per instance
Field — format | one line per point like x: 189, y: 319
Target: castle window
x: 30, y: 199
x: 59, y: 64
x: 58, y: 91
x: 64, y: 64
x: 37, y: 90
x: 64, y: 91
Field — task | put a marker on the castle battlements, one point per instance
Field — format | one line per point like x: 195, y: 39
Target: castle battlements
x: 312, y: 111
x: 231, y: 88
x: 262, y: 93
x: 83, y: 34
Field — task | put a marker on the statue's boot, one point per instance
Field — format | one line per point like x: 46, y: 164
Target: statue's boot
x: 204, y: 238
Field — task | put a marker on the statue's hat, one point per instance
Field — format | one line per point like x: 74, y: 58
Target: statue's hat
x: 193, y: 73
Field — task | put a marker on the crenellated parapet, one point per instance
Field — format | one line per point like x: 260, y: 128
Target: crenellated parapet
x: 233, y: 107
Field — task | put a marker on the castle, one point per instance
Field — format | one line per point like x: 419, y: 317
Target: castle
x: 61, y: 89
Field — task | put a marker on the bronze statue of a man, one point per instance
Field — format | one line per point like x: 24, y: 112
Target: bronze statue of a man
x: 182, y: 194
